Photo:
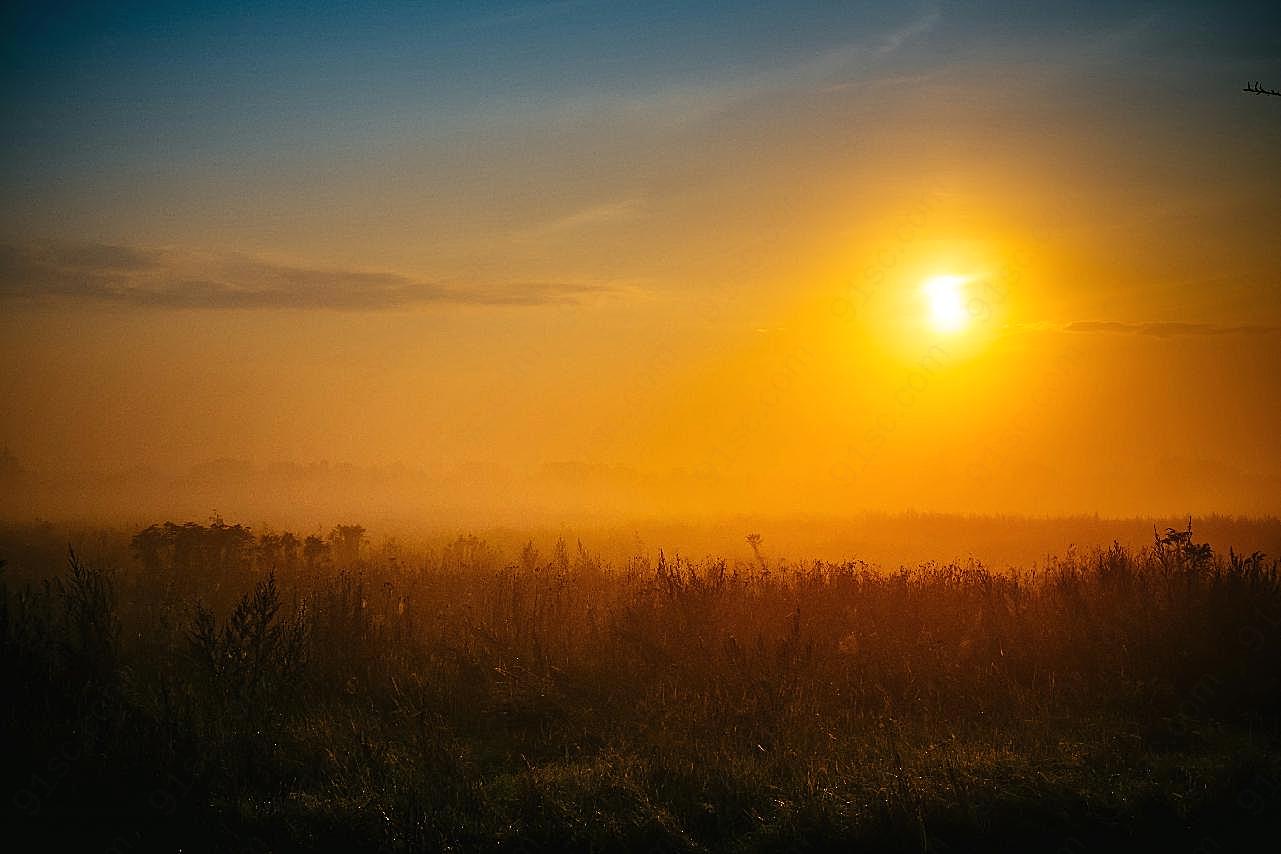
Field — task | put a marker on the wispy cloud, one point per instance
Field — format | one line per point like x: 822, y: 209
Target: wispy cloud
x: 1170, y: 329
x: 693, y: 100
x: 895, y: 39
x: 125, y: 275
x: 586, y: 217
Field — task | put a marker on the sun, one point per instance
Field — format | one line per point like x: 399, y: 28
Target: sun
x: 945, y: 300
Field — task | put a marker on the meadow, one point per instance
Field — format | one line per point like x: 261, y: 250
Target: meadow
x: 209, y: 687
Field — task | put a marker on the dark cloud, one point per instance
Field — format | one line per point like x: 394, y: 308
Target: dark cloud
x: 95, y: 257
x: 126, y: 275
x: 1170, y: 329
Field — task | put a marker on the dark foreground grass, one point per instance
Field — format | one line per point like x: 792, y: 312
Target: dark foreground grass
x: 1113, y: 700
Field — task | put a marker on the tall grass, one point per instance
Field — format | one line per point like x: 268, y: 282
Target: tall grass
x: 231, y: 692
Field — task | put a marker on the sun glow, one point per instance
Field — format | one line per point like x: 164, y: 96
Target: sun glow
x: 945, y: 299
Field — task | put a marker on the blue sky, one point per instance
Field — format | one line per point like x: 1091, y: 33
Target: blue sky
x: 101, y: 85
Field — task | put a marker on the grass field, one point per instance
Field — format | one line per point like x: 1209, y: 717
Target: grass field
x: 221, y: 690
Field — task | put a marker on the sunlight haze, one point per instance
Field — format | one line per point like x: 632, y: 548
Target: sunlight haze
x: 614, y: 258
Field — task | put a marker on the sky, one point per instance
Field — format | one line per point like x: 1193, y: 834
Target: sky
x: 644, y: 257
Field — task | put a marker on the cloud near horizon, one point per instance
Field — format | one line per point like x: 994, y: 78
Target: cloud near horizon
x: 1170, y: 329
x: 133, y: 276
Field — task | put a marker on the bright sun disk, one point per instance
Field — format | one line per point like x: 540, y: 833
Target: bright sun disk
x: 945, y: 297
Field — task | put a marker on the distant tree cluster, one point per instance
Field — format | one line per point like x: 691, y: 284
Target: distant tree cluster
x: 221, y: 550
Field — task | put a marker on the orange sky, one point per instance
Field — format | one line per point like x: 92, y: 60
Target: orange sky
x: 688, y: 286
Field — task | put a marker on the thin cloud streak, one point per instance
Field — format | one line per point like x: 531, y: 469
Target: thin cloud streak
x: 1169, y: 329
x: 593, y: 215
x: 697, y: 100
x: 124, y: 275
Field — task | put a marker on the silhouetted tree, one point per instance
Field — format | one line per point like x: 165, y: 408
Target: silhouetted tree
x: 229, y: 545
x: 148, y: 545
x: 289, y: 552
x: 269, y: 551
x: 315, y: 553
x: 346, y: 540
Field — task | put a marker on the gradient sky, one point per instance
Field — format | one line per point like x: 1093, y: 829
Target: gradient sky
x: 652, y: 256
